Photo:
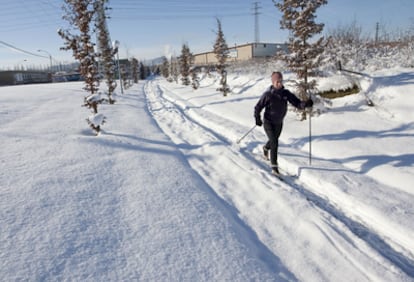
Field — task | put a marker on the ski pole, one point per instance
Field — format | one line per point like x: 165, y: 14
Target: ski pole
x: 310, y: 137
x: 310, y: 133
x: 247, y: 133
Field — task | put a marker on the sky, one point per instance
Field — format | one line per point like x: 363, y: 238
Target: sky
x: 149, y: 29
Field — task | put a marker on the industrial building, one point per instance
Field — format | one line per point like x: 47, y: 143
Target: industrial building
x: 24, y: 77
x: 242, y: 53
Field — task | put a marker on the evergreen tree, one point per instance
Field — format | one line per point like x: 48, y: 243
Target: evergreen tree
x: 80, y: 13
x: 186, y: 60
x: 165, y: 68
x: 174, y: 70
x: 124, y: 77
x: 135, y: 71
x: 194, y: 78
x: 220, y: 50
x: 106, y: 49
x: 144, y: 71
x: 304, y: 55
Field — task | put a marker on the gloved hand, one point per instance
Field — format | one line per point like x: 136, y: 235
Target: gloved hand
x: 309, y: 103
x: 259, y: 121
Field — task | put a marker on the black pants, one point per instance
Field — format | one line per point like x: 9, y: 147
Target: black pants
x: 273, y: 132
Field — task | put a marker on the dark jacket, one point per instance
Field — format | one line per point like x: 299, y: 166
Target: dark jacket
x: 274, y: 101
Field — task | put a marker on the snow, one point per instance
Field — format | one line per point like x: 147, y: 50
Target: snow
x: 165, y: 193
x: 96, y: 119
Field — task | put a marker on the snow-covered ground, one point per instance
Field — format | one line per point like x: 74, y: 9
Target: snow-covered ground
x: 166, y: 193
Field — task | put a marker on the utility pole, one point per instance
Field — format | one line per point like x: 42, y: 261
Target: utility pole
x: 50, y: 58
x: 376, y: 33
x: 256, y: 21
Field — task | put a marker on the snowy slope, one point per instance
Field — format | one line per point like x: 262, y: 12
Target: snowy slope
x: 166, y: 194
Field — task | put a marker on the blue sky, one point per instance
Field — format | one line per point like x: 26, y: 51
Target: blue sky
x: 152, y: 28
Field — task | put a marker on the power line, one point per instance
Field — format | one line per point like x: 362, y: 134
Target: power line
x: 21, y: 50
x: 46, y: 13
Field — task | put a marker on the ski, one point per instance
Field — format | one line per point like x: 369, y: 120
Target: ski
x: 278, y: 176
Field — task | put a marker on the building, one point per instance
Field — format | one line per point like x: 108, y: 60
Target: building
x: 242, y: 53
x: 66, y: 76
x: 24, y: 77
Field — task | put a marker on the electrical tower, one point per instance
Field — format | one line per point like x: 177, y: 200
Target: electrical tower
x: 256, y: 21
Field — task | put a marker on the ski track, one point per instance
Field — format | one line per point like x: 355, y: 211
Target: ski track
x: 201, y: 133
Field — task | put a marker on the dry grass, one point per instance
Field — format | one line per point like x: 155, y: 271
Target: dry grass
x: 332, y: 94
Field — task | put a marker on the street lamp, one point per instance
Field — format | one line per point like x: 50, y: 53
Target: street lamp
x: 50, y: 57
x: 115, y: 46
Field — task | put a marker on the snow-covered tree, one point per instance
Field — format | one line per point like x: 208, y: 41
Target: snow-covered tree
x: 106, y: 50
x: 174, y: 72
x: 221, y: 50
x: 80, y: 13
x: 186, y: 61
x: 194, y: 78
x: 304, y: 49
x: 408, y: 51
x: 125, y: 74
x: 346, y: 44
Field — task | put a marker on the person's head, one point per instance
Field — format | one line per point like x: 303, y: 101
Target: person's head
x: 277, y: 79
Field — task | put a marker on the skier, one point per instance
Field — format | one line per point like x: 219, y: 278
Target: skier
x: 274, y: 101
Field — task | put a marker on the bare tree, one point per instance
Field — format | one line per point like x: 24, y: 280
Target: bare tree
x: 409, y: 39
x: 80, y: 13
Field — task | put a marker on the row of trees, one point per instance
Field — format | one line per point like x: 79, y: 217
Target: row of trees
x: 309, y: 52
x: 184, y: 65
x: 85, y: 18
x: 305, y: 52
